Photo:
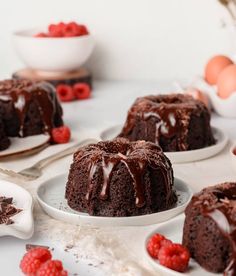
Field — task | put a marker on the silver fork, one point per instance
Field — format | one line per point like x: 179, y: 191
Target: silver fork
x: 36, y: 170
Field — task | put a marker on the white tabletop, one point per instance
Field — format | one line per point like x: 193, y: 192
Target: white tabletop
x: 117, y: 251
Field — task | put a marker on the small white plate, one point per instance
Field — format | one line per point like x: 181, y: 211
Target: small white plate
x: 181, y: 156
x: 51, y: 193
x: 23, y: 226
x: 26, y: 144
x: 173, y: 230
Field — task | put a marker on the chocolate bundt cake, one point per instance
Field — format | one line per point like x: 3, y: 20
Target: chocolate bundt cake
x: 27, y: 108
x: 120, y: 178
x: 210, y: 228
x: 175, y: 122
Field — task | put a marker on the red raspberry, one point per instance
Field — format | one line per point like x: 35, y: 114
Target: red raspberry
x: 65, y: 92
x: 155, y: 243
x: 70, y: 30
x: 82, y: 30
x: 61, y: 135
x: 52, y: 268
x: 41, y: 35
x: 33, y: 259
x: 61, y: 25
x: 81, y: 91
x: 174, y: 256
x: 56, y: 30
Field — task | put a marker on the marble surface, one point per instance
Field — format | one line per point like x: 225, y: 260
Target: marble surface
x: 116, y: 251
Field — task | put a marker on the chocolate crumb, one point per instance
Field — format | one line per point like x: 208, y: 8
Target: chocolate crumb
x: 7, y: 210
x: 31, y: 246
x: 69, y: 246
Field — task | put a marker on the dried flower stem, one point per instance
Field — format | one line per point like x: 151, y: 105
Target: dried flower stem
x: 230, y: 5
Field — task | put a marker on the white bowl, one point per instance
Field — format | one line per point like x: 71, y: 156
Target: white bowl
x: 52, y: 54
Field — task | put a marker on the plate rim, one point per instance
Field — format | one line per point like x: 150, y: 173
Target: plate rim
x: 25, y: 150
x: 44, y: 204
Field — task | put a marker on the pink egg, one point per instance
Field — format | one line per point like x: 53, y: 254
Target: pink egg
x: 214, y: 67
x: 226, y: 84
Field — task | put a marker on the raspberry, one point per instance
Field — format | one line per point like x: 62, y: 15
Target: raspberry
x: 174, y: 256
x: 56, y: 30
x: 70, y: 29
x: 81, y: 91
x: 33, y: 259
x: 82, y: 30
x: 62, y: 29
x: 52, y: 268
x: 41, y: 35
x: 73, y: 29
x: 61, y: 135
x: 155, y: 243
x: 61, y: 25
x: 65, y: 92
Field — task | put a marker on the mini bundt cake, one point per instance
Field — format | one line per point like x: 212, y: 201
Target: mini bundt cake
x: 175, y: 122
x: 27, y: 108
x: 120, y: 178
x: 210, y: 228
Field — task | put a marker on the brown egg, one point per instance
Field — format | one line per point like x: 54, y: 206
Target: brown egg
x: 214, y: 67
x: 226, y: 84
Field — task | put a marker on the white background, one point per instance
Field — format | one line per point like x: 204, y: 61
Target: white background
x: 135, y: 39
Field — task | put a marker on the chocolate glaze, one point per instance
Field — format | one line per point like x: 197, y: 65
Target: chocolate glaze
x: 136, y: 156
x: 7, y: 210
x: 22, y: 93
x: 172, y: 114
x: 219, y: 204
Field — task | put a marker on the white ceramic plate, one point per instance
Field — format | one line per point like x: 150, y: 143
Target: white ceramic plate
x: 23, y: 226
x: 173, y: 231
x: 23, y: 145
x: 181, y: 156
x: 12, y: 251
x: 50, y: 195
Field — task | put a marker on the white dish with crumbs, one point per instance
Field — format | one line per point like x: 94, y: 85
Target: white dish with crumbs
x: 51, y: 196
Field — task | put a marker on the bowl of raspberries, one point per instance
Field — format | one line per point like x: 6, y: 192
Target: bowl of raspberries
x: 59, y: 48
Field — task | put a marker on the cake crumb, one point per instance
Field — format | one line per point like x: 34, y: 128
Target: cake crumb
x: 32, y: 246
